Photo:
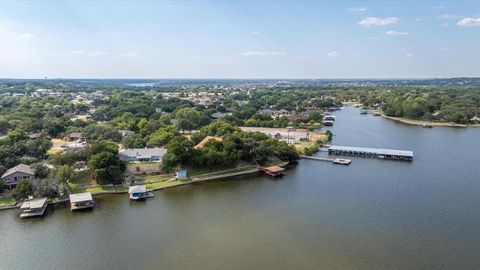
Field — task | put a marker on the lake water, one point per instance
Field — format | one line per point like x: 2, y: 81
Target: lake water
x: 373, y: 214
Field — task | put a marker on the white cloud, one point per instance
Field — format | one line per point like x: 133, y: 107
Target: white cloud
x: 418, y: 19
x: 409, y: 55
x: 262, y: 53
x: 468, y: 22
x: 26, y: 35
x: 130, y: 54
x: 255, y: 32
x: 450, y: 16
x: 332, y: 54
x: 78, y: 52
x: 395, y: 33
x: 376, y: 21
x: 98, y: 53
x: 438, y: 7
x: 373, y: 38
x: 358, y: 9
x: 444, y: 25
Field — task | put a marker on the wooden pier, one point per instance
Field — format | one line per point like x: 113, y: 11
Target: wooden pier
x: 371, y: 152
x: 340, y: 161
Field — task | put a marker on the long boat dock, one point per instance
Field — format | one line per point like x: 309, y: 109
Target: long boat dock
x: 340, y: 161
x: 371, y: 152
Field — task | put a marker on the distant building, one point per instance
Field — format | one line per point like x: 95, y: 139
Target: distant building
x: 142, y: 154
x: 218, y: 115
x: 266, y: 111
x: 74, y: 136
x: 14, y: 175
x: 126, y: 132
x: 475, y: 120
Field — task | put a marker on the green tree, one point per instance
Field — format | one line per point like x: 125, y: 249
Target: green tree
x: 23, y: 190
x: 106, y: 168
x: 64, y: 174
x: 179, y: 151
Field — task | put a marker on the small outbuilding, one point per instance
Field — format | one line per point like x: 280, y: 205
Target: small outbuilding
x: 80, y: 201
x: 137, y: 192
x: 181, y: 175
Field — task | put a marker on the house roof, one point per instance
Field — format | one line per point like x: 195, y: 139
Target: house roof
x: 137, y: 189
x: 19, y: 168
x: 206, y: 139
x: 218, y: 115
x: 81, y: 197
x: 143, y: 152
x: 32, y: 204
x: 74, y: 135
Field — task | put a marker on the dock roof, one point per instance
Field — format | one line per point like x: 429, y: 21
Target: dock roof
x: 137, y: 189
x: 81, y: 197
x: 32, y: 204
x: 379, y: 151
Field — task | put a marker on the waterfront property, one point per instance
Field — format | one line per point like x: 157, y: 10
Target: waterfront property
x: 329, y: 117
x: 327, y: 123
x: 272, y: 171
x: 80, y: 201
x: 142, y: 154
x: 137, y: 192
x: 33, y: 208
x: 14, y: 175
x: 371, y: 152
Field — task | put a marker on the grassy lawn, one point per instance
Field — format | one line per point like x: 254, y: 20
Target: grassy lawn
x: 53, y: 151
x: 6, y: 201
x: 136, y: 164
x: 159, y: 177
x: 92, y: 189
x: 163, y: 184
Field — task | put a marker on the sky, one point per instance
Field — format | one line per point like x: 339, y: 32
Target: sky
x: 239, y: 39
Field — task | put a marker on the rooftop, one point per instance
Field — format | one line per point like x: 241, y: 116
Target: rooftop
x: 32, y: 204
x: 81, y: 197
x: 19, y: 168
x: 144, y: 152
x: 380, y: 151
x: 137, y: 189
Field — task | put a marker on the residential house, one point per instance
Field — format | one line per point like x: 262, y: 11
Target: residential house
x: 14, y: 175
x: 475, y: 120
x: 74, y: 136
x: 142, y: 154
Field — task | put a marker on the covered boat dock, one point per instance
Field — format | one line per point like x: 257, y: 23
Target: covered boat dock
x: 371, y: 152
x: 80, y: 201
x: 33, y: 208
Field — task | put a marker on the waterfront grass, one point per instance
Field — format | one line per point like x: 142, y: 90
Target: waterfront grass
x: 157, y: 185
x: 95, y: 190
x: 6, y: 201
x: 157, y: 177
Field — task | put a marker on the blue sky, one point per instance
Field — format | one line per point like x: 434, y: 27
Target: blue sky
x: 242, y: 39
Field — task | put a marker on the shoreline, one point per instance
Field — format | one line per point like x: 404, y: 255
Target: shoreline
x: 194, y: 179
x: 421, y: 123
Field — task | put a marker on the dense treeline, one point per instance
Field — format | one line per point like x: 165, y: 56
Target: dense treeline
x: 452, y: 104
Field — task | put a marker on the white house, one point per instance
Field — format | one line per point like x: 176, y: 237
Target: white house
x: 142, y: 154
